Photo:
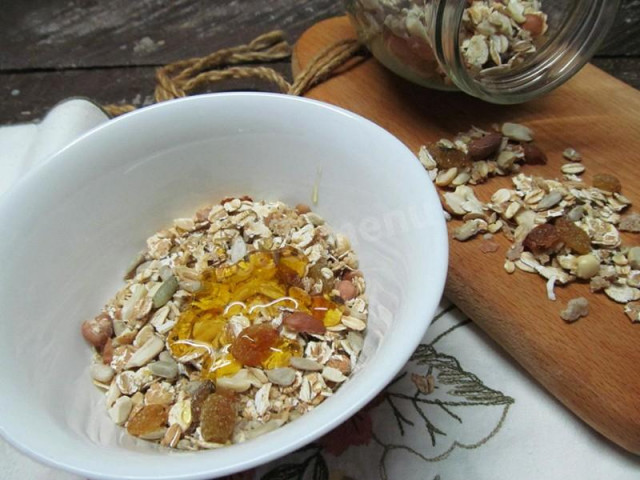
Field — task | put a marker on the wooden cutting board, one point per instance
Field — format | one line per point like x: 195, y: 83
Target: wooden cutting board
x: 593, y: 365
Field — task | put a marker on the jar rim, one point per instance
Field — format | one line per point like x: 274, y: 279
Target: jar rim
x: 555, y: 63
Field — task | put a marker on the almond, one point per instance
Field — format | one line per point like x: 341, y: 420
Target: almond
x: 97, y: 330
x: 347, y: 290
x: 533, y: 155
x: 304, y: 323
x: 534, y: 24
x: 482, y: 148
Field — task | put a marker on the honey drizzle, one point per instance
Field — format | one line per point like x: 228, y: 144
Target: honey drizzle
x: 254, y: 287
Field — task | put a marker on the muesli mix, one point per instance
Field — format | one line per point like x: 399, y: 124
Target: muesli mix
x: 562, y: 229
x: 495, y: 36
x: 231, y: 323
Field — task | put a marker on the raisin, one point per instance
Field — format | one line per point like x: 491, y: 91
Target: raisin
x: 148, y: 420
x: 448, y: 157
x: 218, y: 418
x: 304, y: 323
x: 607, y: 182
x: 253, y: 344
x: 199, y: 391
x: 542, y: 238
x: 573, y: 236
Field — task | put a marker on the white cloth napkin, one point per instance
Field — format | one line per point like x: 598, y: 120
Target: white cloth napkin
x: 461, y: 409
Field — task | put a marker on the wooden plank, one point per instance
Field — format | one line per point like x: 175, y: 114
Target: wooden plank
x: 591, y: 365
x: 62, y: 34
x: 28, y: 96
x: 37, y: 34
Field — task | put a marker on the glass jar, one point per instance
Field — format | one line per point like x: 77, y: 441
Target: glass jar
x: 502, y: 51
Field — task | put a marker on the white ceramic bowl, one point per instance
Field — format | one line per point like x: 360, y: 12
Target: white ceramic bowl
x: 71, y: 226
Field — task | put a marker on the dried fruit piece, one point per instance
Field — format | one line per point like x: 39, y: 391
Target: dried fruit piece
x: 533, y: 155
x: 607, y: 182
x: 254, y: 344
x: 218, y: 418
x: 447, y: 158
x: 199, y: 391
x: 304, y: 323
x: 542, y: 238
x: 483, y: 147
x: 149, y: 421
x: 573, y: 236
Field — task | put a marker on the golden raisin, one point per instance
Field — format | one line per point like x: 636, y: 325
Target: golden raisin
x: 448, y: 157
x: 542, y: 238
x: 148, y: 420
x: 573, y: 236
x: 253, y: 344
x: 304, y: 323
x: 199, y: 393
x: 607, y: 182
x: 218, y: 418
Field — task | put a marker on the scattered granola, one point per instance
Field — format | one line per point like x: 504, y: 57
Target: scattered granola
x: 561, y: 229
x: 231, y: 323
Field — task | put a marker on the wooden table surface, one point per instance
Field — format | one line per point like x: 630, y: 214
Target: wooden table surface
x: 108, y: 50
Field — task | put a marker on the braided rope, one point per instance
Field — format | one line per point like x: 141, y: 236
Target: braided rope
x: 183, y: 77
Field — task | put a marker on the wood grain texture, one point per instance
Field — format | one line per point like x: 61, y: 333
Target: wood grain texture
x: 592, y: 365
x: 105, y: 49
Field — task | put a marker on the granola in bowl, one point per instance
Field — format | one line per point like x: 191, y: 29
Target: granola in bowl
x: 231, y: 323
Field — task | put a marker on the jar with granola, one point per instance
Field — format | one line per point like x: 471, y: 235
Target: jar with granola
x: 502, y: 51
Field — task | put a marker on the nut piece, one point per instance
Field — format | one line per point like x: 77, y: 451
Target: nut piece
x: 533, y: 155
x: 634, y: 258
x: 587, y: 266
x: 307, y: 364
x: 333, y: 375
x: 165, y: 292
x: 101, y: 373
x: 146, y: 353
x: 630, y: 223
x: 483, y: 147
x: 346, y: 290
x: 120, y: 410
x: 572, y: 155
x: 282, y: 376
x: 517, y: 132
x: 97, y: 330
x: 534, y: 24
x: 576, y: 308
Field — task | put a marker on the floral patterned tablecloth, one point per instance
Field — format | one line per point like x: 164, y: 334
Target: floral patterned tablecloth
x: 460, y: 409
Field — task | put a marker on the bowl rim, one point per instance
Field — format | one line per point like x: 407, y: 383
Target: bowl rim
x: 427, y: 303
